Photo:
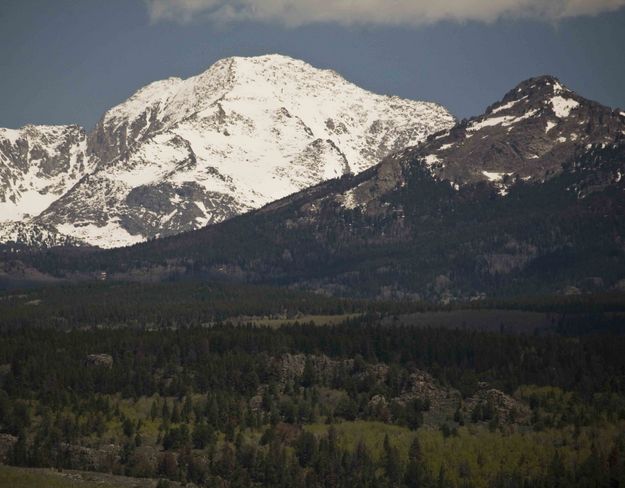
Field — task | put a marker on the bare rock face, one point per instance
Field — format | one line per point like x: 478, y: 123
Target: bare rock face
x: 423, y: 386
x: 539, y: 130
x: 491, y: 403
x: 17, y: 235
x: 182, y: 154
x: 290, y: 367
x: 439, y: 403
x: 100, y: 360
x: 536, y: 128
x: 37, y: 165
x: 7, y: 441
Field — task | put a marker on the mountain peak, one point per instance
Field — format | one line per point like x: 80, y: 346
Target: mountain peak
x: 545, y: 86
x: 267, y: 59
x: 268, y: 76
x: 275, y: 70
x: 183, y: 153
x: 536, y: 128
x: 535, y: 93
x: 273, y: 60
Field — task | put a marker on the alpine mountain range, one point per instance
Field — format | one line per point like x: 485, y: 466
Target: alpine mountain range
x: 181, y: 154
x: 267, y: 170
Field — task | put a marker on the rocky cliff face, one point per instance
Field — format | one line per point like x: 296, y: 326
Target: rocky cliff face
x: 38, y: 164
x: 528, y: 135
x: 181, y: 154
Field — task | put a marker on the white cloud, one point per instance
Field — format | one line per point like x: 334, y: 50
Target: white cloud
x: 389, y: 12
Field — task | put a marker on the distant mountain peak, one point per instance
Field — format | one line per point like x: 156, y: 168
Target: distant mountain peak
x: 537, y: 93
x: 529, y: 134
x: 543, y: 83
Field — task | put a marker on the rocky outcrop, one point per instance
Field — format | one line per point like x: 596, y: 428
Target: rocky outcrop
x: 7, y: 441
x: 99, y: 360
x: 490, y: 403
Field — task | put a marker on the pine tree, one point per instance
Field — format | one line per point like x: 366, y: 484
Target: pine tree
x: 187, y: 408
x: 165, y: 414
x: 309, y: 375
x: 415, y: 471
x: 175, y: 414
x: 154, y: 410
x: 442, y: 478
x: 392, y: 464
x: 306, y: 448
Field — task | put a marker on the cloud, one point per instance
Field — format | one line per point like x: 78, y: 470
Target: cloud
x: 372, y: 12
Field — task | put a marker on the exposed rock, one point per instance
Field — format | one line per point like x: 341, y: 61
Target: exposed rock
x: 506, y: 408
x: 7, y: 441
x: 100, y: 360
x: 93, y: 459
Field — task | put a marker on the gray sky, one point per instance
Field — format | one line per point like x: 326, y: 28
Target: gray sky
x: 67, y: 61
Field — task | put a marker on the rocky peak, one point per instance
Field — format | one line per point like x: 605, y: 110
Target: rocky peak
x: 37, y: 165
x: 543, y: 96
x: 537, y: 89
x: 536, y: 127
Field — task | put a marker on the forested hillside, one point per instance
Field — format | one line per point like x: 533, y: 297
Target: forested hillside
x: 183, y: 383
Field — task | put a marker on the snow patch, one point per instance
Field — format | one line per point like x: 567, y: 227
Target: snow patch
x: 550, y: 125
x: 505, y: 121
x: 494, y: 176
x: 12, y: 135
x: 432, y: 159
x: 108, y: 236
x: 489, y: 122
x: 562, y: 106
x: 202, y: 207
x: 168, y: 217
x: 349, y: 201
x: 505, y: 106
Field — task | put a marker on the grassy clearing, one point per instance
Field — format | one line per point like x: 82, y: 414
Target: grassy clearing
x: 12, y: 477
x: 318, y: 320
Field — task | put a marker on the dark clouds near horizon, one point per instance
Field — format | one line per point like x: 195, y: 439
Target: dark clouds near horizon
x: 68, y: 61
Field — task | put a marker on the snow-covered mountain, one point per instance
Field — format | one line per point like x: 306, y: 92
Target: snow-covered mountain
x: 181, y: 154
x: 528, y: 197
x: 32, y: 235
x: 38, y: 164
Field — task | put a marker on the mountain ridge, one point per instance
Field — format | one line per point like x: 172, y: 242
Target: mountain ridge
x: 407, y: 228
x: 476, y: 222
x: 179, y: 154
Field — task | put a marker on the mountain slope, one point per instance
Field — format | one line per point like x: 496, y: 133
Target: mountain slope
x: 181, y: 154
x: 38, y: 164
x: 411, y: 228
x: 528, y: 135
